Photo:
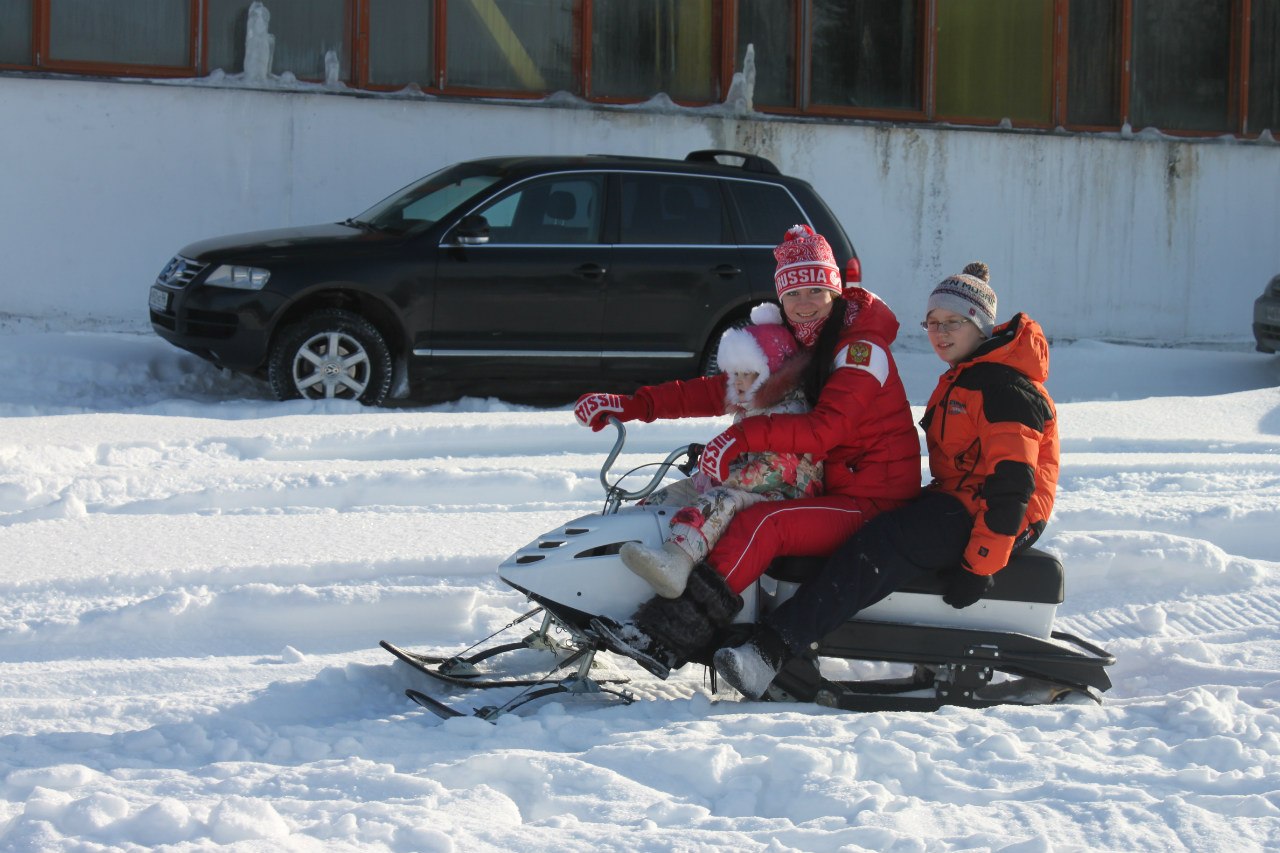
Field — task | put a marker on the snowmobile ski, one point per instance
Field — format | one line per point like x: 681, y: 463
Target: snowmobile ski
x: 578, y: 684
x: 489, y: 713
x: 461, y: 668
x: 433, y: 705
x: 457, y: 670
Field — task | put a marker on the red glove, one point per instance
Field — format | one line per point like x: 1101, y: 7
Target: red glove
x: 723, y: 449
x: 593, y: 410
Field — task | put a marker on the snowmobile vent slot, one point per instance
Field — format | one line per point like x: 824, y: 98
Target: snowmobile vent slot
x: 551, y: 543
x: 575, y: 531
x: 529, y: 558
x: 609, y: 550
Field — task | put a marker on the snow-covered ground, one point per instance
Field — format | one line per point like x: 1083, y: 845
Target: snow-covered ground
x: 195, y: 580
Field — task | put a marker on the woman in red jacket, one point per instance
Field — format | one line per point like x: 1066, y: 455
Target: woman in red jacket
x: 992, y: 433
x: 859, y: 427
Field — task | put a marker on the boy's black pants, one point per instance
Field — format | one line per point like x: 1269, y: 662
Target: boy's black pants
x: 927, y: 535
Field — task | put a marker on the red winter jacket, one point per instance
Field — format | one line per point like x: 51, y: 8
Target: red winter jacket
x: 992, y: 433
x: 860, y: 427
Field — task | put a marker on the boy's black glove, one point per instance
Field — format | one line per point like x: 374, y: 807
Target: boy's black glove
x: 964, y: 587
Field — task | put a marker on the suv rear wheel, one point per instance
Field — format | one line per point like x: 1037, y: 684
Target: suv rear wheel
x: 331, y: 354
x: 710, y: 357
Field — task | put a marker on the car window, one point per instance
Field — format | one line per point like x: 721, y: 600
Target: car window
x: 767, y: 211
x: 430, y: 208
x: 557, y: 211
x: 672, y: 209
x: 426, y: 202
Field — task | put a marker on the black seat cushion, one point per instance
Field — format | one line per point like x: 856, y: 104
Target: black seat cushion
x: 1032, y: 575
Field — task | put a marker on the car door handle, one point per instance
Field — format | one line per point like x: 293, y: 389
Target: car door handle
x: 727, y: 271
x: 590, y: 271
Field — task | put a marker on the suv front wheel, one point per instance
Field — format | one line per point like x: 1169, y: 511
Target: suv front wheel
x: 331, y: 354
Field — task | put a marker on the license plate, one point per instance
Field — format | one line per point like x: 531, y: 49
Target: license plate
x: 1272, y: 313
x: 159, y: 299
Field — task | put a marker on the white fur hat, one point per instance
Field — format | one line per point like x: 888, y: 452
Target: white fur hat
x: 760, y: 348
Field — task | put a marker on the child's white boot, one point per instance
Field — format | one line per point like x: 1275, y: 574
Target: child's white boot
x: 666, y: 569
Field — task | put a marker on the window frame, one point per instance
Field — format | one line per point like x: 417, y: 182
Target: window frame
x: 1057, y: 19
x: 722, y: 40
x: 351, y: 37
x: 725, y: 52
x: 42, y: 26
x: 360, y: 16
x: 925, y: 12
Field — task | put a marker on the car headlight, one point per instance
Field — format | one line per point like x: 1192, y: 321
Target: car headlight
x: 240, y: 278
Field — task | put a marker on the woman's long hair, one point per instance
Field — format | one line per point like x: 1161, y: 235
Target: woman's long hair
x: 824, y: 352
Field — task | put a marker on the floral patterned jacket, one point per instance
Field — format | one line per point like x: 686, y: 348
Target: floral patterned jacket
x: 776, y: 475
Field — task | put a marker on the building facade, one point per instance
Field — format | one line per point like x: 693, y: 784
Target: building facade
x: 1180, y: 66
x: 1108, y: 204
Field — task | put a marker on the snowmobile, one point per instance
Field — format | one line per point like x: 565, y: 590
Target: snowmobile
x: 1003, y: 649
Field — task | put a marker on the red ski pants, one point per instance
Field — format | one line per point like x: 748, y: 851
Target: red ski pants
x: 811, y: 527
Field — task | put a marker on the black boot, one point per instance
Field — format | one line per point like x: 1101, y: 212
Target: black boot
x: 627, y: 639
x: 712, y: 594
x: 666, y: 633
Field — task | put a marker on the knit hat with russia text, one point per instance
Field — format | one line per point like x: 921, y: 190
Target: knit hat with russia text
x: 968, y: 295
x: 805, y: 259
x: 761, y: 348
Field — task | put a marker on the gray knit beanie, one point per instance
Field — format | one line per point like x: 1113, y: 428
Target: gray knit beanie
x: 968, y: 295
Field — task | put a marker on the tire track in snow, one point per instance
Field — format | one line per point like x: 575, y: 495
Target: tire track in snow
x: 1201, y: 616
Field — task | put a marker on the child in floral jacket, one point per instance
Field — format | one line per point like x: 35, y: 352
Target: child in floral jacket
x: 762, y: 367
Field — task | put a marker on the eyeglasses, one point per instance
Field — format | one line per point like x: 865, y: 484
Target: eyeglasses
x: 933, y: 326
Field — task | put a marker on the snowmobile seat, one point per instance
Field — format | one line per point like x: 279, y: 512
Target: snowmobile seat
x: 1023, y: 599
x: 1032, y: 575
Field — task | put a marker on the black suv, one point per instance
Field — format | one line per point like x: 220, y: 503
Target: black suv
x: 517, y: 276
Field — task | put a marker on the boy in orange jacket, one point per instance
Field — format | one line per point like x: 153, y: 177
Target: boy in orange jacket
x: 992, y: 434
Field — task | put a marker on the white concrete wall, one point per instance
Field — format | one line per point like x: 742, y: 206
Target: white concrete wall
x: 1136, y: 238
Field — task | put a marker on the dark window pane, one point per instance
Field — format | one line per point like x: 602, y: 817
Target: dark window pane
x: 767, y: 210
x: 864, y: 54
x: 995, y: 59
x: 668, y: 209
x: 1264, y: 67
x: 15, y: 32
x: 1093, y: 63
x: 226, y: 32
x: 401, y: 42
x: 642, y: 47
x: 521, y: 45
x: 770, y: 27
x: 560, y: 211
x: 304, y: 31
x: 1181, y: 64
x: 132, y: 32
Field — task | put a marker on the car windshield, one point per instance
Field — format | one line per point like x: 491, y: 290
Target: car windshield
x: 423, y: 204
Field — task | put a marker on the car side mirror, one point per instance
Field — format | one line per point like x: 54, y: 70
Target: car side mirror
x: 473, y: 230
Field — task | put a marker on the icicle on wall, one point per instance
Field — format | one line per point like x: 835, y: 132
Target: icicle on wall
x: 259, y: 44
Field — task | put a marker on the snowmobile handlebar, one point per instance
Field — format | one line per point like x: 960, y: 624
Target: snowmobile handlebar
x: 615, y: 495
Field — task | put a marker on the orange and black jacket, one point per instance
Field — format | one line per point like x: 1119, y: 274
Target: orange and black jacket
x: 992, y: 433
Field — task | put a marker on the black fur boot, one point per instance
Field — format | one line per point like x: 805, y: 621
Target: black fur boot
x: 710, y: 592
x: 627, y: 639
x: 679, y: 625
x: 666, y: 633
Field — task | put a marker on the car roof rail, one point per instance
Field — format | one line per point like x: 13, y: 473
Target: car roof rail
x: 750, y: 162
